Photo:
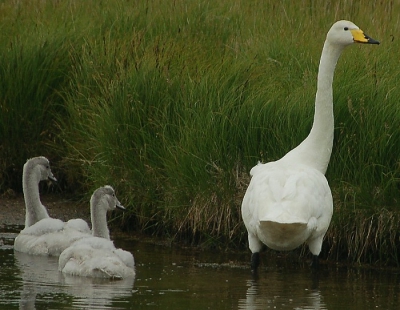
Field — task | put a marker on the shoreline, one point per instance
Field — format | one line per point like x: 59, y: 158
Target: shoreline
x: 13, y: 214
x: 13, y: 208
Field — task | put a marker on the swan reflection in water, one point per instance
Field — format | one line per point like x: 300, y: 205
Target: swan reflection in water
x: 41, y: 279
x: 276, y: 296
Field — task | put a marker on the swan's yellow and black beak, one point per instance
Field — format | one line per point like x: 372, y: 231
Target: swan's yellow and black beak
x: 360, y: 37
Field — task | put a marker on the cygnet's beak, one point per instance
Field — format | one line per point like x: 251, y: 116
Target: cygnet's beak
x: 52, y: 177
x: 119, y: 206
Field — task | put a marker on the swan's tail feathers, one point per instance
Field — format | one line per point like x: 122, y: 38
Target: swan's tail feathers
x: 289, y: 224
x: 283, y: 236
x: 282, y: 228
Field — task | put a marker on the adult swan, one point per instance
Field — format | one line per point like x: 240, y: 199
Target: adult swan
x: 288, y: 201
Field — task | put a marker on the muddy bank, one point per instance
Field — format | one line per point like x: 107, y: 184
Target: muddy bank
x: 12, y: 213
x: 13, y: 209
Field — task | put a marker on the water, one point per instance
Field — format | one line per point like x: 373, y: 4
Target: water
x: 170, y: 278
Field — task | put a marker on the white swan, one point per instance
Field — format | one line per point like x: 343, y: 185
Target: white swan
x: 42, y: 234
x: 97, y: 256
x: 288, y: 201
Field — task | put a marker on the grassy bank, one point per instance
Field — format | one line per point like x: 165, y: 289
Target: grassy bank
x: 173, y: 102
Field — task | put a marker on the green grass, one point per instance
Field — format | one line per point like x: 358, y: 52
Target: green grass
x: 173, y: 102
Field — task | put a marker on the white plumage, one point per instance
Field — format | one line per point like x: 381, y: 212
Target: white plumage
x: 42, y: 234
x: 97, y: 256
x: 289, y: 202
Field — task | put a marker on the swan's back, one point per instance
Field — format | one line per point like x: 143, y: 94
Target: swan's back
x: 98, y: 258
x: 45, y: 226
x: 50, y: 236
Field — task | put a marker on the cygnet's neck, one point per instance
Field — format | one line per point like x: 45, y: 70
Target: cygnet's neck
x: 99, y: 220
x: 35, y: 211
x: 316, y: 149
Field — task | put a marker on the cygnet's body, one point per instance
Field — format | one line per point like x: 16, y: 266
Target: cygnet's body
x: 42, y: 234
x: 97, y: 256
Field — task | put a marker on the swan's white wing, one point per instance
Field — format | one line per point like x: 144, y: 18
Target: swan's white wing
x: 286, y: 194
x: 44, y: 226
x: 51, y: 244
x: 126, y: 257
x: 47, y: 237
x: 78, y: 224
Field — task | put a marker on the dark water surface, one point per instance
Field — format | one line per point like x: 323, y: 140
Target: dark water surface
x: 170, y: 278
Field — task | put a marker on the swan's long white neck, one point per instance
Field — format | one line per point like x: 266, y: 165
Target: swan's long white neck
x: 99, y: 220
x: 316, y: 149
x: 35, y: 211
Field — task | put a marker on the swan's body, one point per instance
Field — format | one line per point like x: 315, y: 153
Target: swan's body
x: 289, y: 202
x: 97, y: 256
x: 42, y: 234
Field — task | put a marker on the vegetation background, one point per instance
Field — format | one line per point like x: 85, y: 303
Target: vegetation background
x: 173, y: 102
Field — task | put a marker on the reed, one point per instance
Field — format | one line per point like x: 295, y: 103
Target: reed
x: 172, y: 103
x: 33, y: 69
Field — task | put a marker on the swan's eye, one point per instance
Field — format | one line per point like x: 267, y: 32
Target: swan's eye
x: 346, y: 28
x: 47, y: 167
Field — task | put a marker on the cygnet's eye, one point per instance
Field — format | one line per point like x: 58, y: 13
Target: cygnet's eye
x: 47, y: 167
x: 346, y: 28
